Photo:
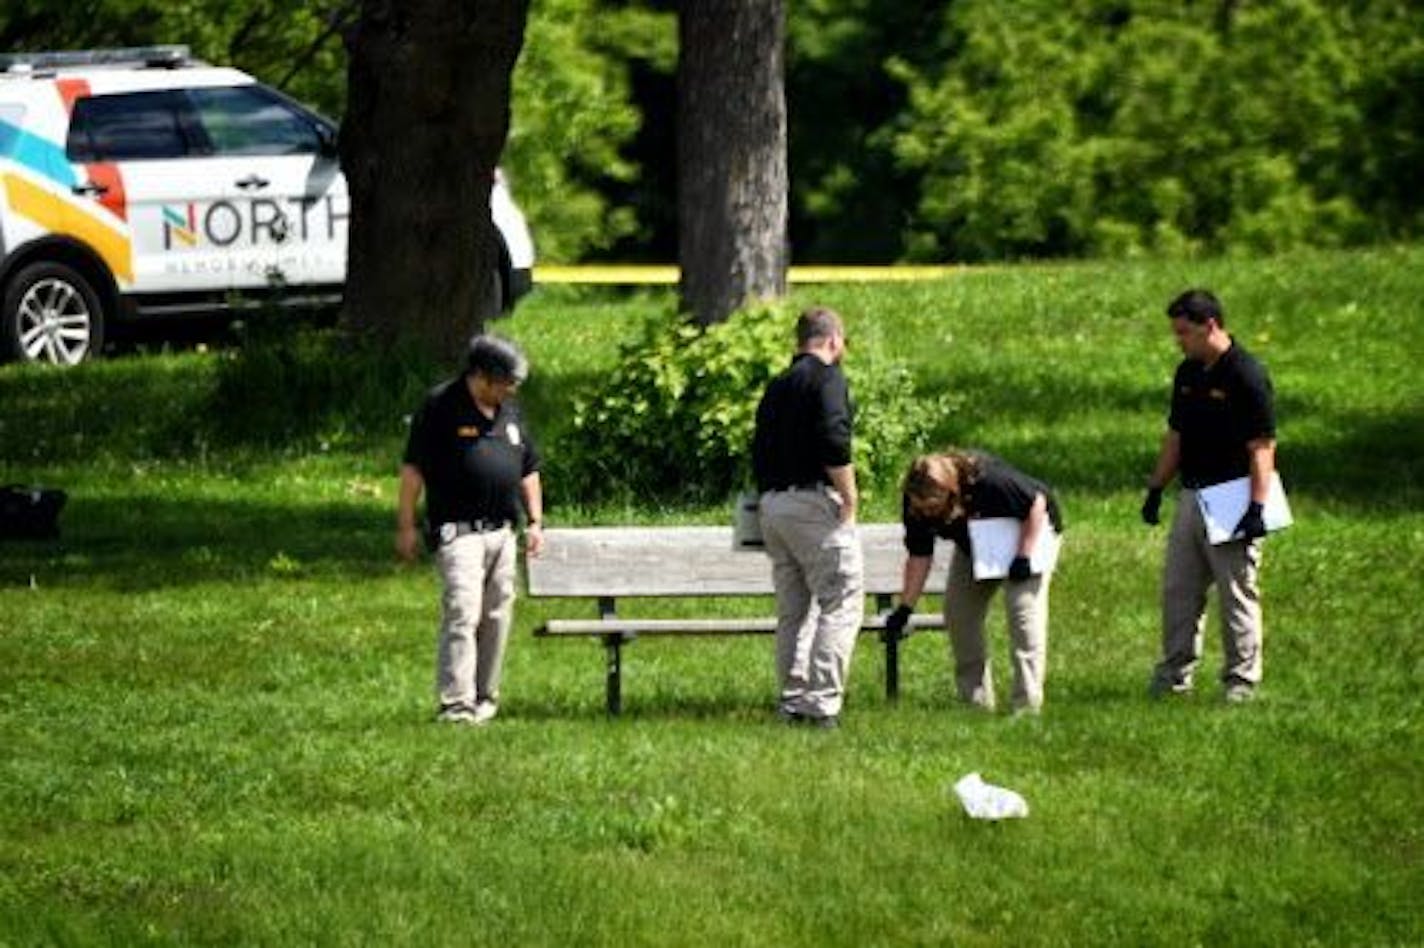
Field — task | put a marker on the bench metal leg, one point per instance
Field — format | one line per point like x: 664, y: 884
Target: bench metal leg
x: 614, y: 675
x: 892, y: 669
x: 892, y: 652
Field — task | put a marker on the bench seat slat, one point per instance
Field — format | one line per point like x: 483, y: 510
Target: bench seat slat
x: 691, y: 561
x: 763, y: 626
x: 658, y: 626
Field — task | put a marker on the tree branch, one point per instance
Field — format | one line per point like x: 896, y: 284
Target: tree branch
x: 339, y: 19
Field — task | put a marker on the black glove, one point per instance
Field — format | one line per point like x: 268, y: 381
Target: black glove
x: 1020, y: 569
x: 1152, y: 507
x: 1251, y: 526
x: 896, y: 621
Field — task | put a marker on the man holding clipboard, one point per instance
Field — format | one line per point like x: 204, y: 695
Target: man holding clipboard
x: 1221, y: 444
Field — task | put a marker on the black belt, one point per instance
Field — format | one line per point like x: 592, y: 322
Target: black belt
x: 452, y: 530
x: 1191, y: 482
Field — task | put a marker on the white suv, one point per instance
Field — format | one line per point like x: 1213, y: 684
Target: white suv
x: 141, y: 183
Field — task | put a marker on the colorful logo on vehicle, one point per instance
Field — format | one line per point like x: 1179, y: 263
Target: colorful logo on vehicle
x: 181, y: 224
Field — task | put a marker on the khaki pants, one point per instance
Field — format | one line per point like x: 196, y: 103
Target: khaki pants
x: 476, y: 611
x: 1192, y: 566
x: 966, y: 605
x: 817, y: 571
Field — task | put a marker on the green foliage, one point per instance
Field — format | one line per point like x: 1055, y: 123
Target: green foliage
x: 972, y: 130
x: 895, y: 417
x: 849, y: 197
x: 676, y: 414
x: 1058, y: 129
x: 572, y: 115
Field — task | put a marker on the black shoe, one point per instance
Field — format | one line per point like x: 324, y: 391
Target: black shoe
x: 1161, y: 688
x: 786, y: 716
x: 829, y: 723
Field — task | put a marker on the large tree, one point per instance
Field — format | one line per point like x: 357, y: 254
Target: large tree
x: 427, y: 116
x: 731, y: 154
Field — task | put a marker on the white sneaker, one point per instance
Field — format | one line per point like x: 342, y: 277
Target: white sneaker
x: 458, y: 714
x: 1239, y: 694
x: 485, y: 711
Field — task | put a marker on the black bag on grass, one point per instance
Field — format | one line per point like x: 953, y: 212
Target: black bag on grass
x: 30, y: 513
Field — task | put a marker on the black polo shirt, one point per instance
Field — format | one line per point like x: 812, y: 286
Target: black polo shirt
x: 472, y: 465
x: 803, y: 425
x: 997, y: 490
x: 1217, y: 410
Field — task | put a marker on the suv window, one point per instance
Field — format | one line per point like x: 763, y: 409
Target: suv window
x: 128, y: 127
x: 250, y: 120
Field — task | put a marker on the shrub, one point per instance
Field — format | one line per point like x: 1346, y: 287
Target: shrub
x: 675, y: 416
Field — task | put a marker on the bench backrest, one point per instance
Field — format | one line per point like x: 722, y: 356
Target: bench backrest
x: 692, y: 561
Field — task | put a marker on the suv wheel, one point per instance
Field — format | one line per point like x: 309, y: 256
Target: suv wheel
x: 51, y: 314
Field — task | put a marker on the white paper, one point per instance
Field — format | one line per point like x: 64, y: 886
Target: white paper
x: 1223, y: 504
x: 984, y: 801
x: 994, y: 542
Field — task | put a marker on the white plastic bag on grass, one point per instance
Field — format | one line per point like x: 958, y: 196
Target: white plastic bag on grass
x: 984, y: 801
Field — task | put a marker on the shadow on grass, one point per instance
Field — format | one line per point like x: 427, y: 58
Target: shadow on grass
x: 133, y: 408
x: 1369, y: 461
x: 650, y: 705
x: 1373, y: 461
x: 1083, y: 432
x: 151, y: 542
x: 303, y: 388
x: 1041, y: 395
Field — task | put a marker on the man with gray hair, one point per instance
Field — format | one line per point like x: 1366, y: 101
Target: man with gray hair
x: 471, y: 456
x: 801, y: 454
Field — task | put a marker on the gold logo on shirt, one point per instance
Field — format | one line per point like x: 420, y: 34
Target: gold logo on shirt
x: 467, y: 431
x: 1217, y: 394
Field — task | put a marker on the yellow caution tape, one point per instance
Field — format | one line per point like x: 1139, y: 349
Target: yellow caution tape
x: 667, y: 274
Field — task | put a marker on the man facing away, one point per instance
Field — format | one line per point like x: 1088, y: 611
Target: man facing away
x: 801, y: 455
x: 1221, y: 427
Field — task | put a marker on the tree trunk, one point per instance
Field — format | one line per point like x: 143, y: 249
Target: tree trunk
x: 731, y: 154
x: 1226, y: 16
x: 427, y: 118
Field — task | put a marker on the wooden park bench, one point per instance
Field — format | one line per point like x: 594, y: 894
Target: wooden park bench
x: 606, y: 564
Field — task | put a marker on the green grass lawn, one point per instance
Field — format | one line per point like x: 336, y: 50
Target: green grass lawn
x: 215, y: 692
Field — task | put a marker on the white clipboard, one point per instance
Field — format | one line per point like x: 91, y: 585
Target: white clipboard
x: 994, y: 542
x: 1223, y: 504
